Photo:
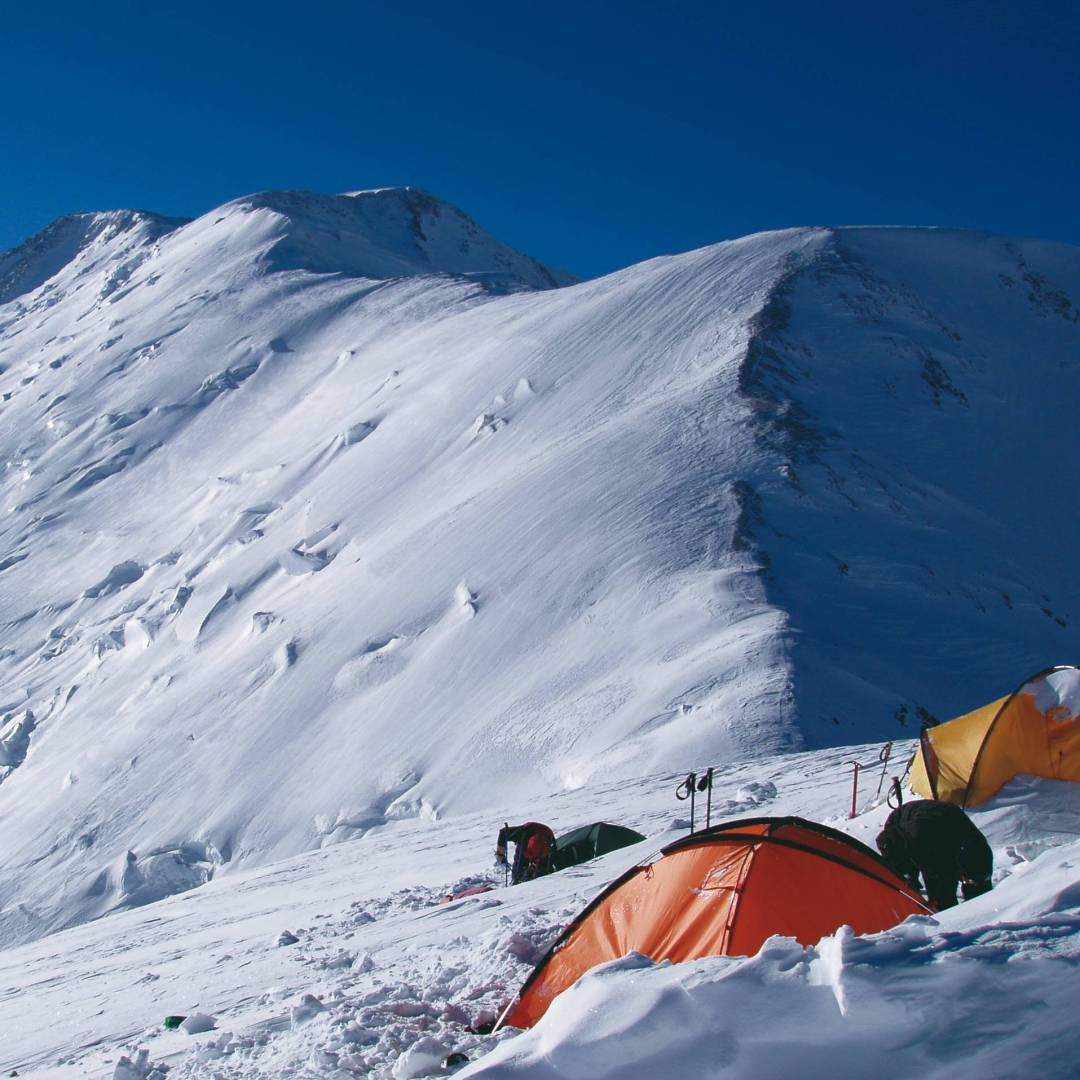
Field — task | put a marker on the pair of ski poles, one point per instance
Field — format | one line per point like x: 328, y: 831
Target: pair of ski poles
x: 689, y: 788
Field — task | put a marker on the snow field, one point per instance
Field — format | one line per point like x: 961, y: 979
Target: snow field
x: 379, y: 965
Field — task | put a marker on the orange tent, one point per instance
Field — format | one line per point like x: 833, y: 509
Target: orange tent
x: 1035, y: 730
x: 722, y: 892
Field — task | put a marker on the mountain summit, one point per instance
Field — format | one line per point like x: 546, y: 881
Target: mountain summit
x: 81, y: 242
x: 328, y: 511
x: 389, y: 232
x: 384, y: 233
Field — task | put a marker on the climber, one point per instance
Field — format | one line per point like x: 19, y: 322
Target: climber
x: 940, y: 842
x: 534, y: 851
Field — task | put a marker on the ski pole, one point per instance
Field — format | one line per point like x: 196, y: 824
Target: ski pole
x: 883, y: 757
x: 686, y: 791
x: 907, y: 768
x: 706, y: 783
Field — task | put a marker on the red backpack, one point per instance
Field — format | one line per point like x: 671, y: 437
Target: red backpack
x: 539, y: 845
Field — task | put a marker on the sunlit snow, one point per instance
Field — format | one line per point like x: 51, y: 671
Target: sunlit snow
x: 336, y: 533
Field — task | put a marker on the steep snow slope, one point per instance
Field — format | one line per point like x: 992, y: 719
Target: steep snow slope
x: 290, y: 554
x: 920, y: 387
x: 322, y: 514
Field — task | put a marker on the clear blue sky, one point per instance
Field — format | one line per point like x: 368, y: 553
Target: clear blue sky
x: 591, y: 135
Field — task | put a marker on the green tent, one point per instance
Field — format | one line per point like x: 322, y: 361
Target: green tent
x: 592, y: 841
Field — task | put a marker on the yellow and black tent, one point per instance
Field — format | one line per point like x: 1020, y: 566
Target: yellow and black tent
x: 1035, y: 730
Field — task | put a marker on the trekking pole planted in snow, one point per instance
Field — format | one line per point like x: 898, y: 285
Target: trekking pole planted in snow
x: 501, y: 850
x: 854, y: 788
x: 907, y: 768
x: 686, y: 791
x: 883, y: 757
x: 705, y: 784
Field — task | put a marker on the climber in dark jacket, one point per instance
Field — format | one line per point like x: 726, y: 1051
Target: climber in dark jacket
x: 939, y: 841
x: 534, y: 850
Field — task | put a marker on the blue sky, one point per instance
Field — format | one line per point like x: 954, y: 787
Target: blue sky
x: 591, y: 135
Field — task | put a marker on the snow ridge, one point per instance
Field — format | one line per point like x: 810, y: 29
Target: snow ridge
x: 390, y: 232
x: 114, y: 235
x: 901, y: 432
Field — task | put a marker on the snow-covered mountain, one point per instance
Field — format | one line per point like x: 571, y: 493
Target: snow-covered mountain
x: 328, y: 511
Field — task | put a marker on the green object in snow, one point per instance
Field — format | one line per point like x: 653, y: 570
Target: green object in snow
x: 592, y: 841
x: 173, y: 1022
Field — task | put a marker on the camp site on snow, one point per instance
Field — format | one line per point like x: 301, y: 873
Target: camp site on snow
x: 728, y: 888
x: 727, y: 884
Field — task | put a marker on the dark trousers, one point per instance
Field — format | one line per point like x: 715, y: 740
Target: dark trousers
x: 940, y: 887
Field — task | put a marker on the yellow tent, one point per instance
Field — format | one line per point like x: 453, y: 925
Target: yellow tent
x: 1035, y: 730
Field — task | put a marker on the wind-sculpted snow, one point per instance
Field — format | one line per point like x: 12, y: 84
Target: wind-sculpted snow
x: 325, y: 511
x: 443, y: 607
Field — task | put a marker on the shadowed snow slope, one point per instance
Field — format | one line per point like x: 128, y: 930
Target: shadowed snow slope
x: 323, y: 512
